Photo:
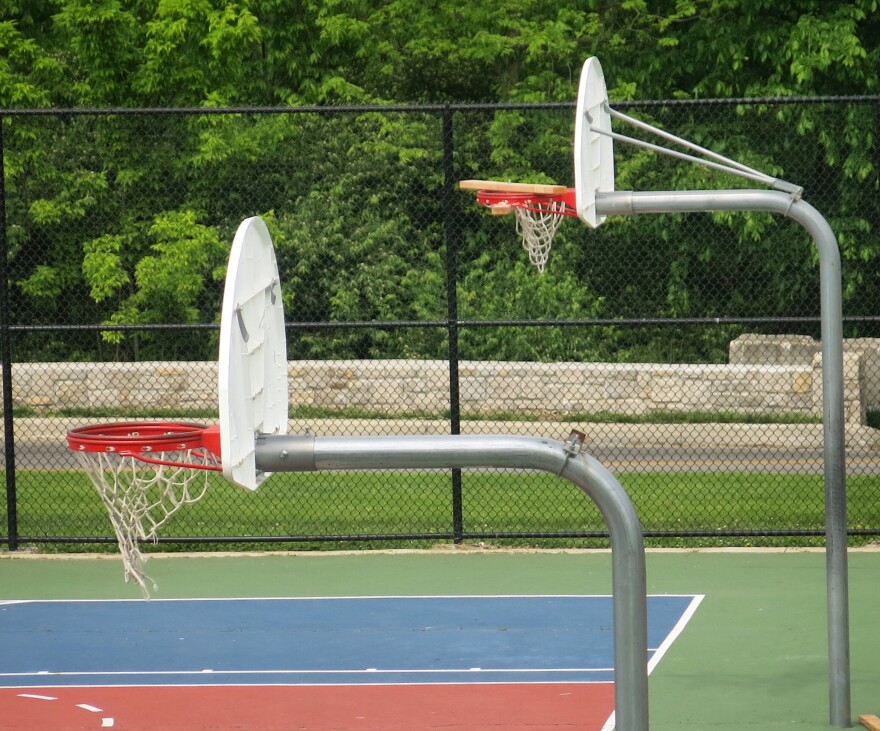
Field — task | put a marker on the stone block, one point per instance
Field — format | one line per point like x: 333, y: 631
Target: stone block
x: 854, y: 401
x: 754, y: 349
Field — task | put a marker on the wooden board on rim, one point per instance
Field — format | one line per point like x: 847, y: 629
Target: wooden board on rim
x: 501, y: 186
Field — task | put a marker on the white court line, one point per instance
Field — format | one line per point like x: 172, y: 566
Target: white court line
x: 667, y: 643
x: 351, y: 671
x: 157, y: 600
x: 676, y: 631
x: 106, y: 722
x: 466, y: 683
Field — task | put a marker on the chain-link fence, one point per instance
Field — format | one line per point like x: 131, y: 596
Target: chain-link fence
x: 684, y: 346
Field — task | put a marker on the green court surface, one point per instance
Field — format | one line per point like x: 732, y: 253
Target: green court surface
x: 752, y: 657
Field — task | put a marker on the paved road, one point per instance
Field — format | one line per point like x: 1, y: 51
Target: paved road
x: 41, y: 453
x: 741, y: 459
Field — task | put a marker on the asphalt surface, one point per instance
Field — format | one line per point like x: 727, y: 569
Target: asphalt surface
x: 794, y: 448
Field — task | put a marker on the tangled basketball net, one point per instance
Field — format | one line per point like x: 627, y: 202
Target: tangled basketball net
x: 538, y: 209
x: 537, y: 226
x: 144, y: 472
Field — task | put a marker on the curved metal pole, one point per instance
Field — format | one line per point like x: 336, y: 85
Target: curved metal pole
x: 633, y: 203
x: 288, y: 453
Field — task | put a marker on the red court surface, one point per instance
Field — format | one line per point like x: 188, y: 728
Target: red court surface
x: 536, y: 707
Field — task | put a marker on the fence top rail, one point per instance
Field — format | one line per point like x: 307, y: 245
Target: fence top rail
x: 464, y: 323
x: 427, y: 108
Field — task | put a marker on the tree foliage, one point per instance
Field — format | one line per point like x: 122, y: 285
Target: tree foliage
x: 194, y: 52
x: 121, y: 219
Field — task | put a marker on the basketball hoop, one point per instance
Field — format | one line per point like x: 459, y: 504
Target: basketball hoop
x: 538, y: 210
x: 145, y: 472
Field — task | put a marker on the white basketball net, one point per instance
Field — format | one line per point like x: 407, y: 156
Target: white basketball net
x: 141, y: 497
x: 537, y: 225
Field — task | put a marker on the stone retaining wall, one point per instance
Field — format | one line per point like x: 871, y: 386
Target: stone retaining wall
x: 410, y: 386
x: 800, y: 350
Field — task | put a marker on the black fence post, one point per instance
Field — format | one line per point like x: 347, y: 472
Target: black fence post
x: 450, y: 234
x: 6, y: 358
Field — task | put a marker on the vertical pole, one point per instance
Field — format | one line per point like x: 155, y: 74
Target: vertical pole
x: 6, y: 362
x: 834, y: 425
x: 833, y: 416
x: 451, y: 236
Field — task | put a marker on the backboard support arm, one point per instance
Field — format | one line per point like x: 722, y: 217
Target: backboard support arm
x: 291, y: 453
x: 721, y: 164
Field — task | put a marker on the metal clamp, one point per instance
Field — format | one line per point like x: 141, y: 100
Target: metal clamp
x: 572, y: 447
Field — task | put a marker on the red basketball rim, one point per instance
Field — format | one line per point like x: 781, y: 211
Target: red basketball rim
x: 137, y: 437
x: 539, y: 202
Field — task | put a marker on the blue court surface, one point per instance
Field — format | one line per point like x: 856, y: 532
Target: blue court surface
x: 317, y: 641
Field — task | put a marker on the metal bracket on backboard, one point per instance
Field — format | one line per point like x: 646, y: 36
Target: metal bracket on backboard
x: 239, y: 316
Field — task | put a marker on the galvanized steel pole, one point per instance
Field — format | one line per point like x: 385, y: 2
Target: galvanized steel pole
x: 281, y: 453
x: 290, y: 453
x: 633, y: 203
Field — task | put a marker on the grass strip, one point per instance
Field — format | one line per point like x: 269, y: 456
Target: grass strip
x: 57, y: 504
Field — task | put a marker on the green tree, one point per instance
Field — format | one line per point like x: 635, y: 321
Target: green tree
x: 95, y: 203
x: 165, y: 285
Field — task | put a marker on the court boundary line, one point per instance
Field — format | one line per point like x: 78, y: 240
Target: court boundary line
x: 344, y: 671
x: 677, y: 629
x: 301, y: 685
x: 673, y: 635
x: 168, y: 600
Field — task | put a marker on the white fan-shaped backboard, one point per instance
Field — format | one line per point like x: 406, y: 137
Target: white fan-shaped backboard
x: 593, y: 152
x: 252, y: 367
